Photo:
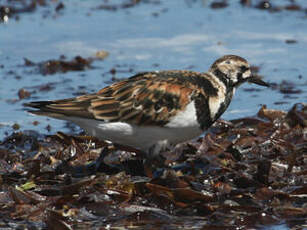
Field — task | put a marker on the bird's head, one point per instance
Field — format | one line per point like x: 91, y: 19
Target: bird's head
x: 234, y: 70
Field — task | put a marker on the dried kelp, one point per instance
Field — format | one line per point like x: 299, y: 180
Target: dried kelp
x: 245, y: 173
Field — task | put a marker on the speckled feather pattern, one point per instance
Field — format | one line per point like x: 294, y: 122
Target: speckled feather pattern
x: 155, y: 107
x: 150, y: 98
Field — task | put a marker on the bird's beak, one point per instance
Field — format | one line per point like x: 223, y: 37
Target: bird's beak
x: 257, y: 80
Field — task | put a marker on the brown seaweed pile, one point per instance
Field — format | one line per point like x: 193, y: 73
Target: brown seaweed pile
x: 12, y: 9
x: 62, y: 65
x: 246, y: 173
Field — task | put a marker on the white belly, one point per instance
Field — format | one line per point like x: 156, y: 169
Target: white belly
x: 141, y: 137
x: 182, y: 127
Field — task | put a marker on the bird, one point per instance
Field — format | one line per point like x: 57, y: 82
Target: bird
x: 152, y: 110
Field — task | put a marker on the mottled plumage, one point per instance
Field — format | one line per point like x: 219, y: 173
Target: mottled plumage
x: 162, y: 107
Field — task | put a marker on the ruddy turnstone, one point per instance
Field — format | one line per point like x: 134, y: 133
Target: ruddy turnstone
x: 151, y: 110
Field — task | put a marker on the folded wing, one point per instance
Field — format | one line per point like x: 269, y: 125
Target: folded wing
x: 150, y: 98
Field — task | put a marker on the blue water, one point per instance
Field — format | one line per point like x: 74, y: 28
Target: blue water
x: 174, y: 34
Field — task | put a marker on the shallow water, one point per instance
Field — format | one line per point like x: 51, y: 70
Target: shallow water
x: 150, y: 36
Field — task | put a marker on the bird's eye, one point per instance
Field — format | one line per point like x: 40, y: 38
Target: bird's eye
x: 227, y: 62
x: 243, y: 69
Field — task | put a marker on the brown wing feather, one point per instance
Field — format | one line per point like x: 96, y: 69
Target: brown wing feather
x: 77, y: 107
x: 148, y: 98
x: 144, y: 99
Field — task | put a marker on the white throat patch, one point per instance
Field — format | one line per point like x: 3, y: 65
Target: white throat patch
x: 185, y: 118
x: 215, y: 102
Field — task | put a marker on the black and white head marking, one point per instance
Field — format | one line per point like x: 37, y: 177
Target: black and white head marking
x: 232, y: 70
